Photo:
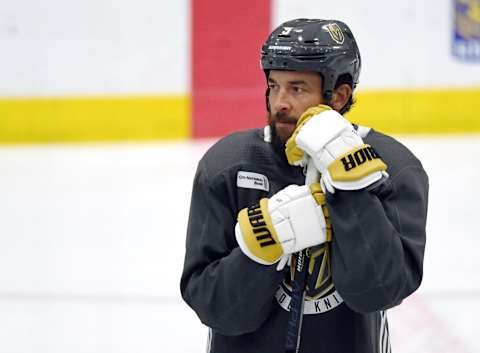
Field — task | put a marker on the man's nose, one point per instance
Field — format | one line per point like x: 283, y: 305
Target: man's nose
x: 282, y: 101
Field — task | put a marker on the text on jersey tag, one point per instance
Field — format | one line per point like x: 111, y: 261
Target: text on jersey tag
x: 249, y: 180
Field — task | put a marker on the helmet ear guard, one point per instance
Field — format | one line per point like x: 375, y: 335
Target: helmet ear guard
x: 324, y: 46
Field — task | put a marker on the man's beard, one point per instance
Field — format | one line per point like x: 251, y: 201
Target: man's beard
x: 278, y: 141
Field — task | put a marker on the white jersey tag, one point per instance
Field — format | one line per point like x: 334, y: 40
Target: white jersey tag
x: 249, y: 180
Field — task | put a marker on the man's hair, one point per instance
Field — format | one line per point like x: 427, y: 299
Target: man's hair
x: 346, y: 79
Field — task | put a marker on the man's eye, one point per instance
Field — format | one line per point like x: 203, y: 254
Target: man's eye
x: 272, y: 86
x: 298, y: 89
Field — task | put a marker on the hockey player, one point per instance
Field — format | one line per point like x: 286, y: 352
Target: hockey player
x: 360, y: 227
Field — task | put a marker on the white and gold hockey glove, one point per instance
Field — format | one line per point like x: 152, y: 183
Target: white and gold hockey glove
x: 336, y: 149
x: 293, y: 219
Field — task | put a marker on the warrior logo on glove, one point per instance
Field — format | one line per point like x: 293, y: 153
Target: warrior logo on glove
x: 356, y: 163
x: 259, y: 227
x: 359, y: 157
x: 260, y: 235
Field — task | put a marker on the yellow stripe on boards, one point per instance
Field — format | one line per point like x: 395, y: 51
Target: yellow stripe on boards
x: 44, y: 120
x: 419, y: 111
x: 41, y: 120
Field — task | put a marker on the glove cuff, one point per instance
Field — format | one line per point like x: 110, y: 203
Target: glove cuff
x: 256, y: 235
x: 356, y: 164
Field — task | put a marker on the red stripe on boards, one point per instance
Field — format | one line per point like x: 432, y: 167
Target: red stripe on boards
x: 228, y: 84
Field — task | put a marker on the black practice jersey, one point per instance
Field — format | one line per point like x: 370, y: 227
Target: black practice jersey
x: 374, y: 261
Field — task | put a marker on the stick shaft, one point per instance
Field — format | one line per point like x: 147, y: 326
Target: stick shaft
x: 294, y: 326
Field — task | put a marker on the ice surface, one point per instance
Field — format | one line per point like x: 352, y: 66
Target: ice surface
x: 92, y: 245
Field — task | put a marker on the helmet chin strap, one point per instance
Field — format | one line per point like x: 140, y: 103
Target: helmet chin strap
x: 267, y: 91
x: 327, y: 98
x: 267, y: 102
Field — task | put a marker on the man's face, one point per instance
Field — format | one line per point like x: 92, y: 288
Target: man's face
x: 291, y: 93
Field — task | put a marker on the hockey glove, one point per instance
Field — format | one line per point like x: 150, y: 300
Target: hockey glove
x: 337, y: 151
x: 293, y: 219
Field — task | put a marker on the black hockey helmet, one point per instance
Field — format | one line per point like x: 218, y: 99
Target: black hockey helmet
x: 324, y: 46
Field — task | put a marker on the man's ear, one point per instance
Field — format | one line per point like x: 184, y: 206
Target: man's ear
x: 340, y: 96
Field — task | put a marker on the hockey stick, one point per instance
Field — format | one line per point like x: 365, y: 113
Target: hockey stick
x: 299, y: 283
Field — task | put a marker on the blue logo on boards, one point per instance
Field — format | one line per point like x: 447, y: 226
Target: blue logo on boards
x: 466, y: 34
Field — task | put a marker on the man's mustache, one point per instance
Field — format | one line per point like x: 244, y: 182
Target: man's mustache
x: 280, y: 117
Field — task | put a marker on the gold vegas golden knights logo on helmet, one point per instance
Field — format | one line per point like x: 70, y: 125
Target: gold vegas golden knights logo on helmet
x: 335, y: 32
